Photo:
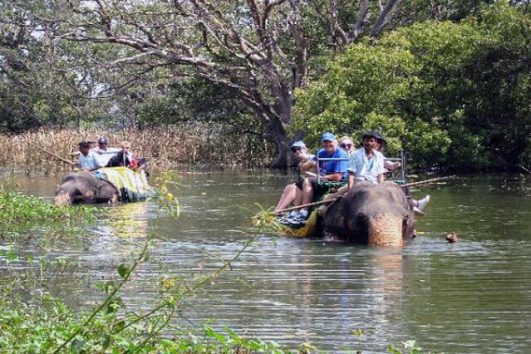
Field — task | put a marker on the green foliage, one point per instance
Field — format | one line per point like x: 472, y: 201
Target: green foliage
x: 453, y: 94
x: 48, y: 325
x: 17, y: 208
x: 410, y: 347
x: 30, y: 329
x: 163, y: 197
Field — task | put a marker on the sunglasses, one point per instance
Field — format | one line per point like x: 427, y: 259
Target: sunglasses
x: 344, y: 146
x: 295, y: 149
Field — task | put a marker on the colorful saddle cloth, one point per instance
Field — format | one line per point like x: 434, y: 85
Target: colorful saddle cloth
x: 133, y: 186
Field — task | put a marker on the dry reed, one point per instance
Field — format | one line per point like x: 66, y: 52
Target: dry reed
x: 164, y: 147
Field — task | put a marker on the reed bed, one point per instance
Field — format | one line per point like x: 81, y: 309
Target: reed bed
x: 167, y: 147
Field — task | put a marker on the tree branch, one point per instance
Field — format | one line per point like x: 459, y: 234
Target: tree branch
x: 383, y: 18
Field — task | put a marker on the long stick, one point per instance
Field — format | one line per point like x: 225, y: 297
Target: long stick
x: 308, y: 205
x: 426, y: 181
x: 334, y: 199
x: 525, y: 169
x: 51, y: 153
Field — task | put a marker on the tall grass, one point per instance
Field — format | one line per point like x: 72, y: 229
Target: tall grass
x: 164, y: 147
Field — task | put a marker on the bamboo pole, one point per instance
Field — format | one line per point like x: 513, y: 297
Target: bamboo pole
x: 525, y: 169
x: 51, y: 153
x: 307, y: 205
x: 426, y: 181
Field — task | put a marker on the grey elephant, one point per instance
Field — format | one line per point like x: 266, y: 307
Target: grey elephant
x: 373, y: 214
x: 84, y: 187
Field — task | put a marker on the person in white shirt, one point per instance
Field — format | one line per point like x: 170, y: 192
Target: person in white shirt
x: 87, y: 159
x: 104, y: 153
x: 367, y: 164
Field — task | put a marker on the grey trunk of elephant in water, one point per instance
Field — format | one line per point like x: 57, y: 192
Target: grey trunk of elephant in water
x: 373, y: 214
x: 84, y: 187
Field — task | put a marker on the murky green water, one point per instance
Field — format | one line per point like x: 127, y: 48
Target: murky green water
x: 472, y: 296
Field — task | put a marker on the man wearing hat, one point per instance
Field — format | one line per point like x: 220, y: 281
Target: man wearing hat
x: 87, y: 159
x: 367, y: 164
x: 332, y: 173
x: 104, y: 153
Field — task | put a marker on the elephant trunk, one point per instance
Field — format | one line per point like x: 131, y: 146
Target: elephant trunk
x: 385, y: 230
x: 62, y: 199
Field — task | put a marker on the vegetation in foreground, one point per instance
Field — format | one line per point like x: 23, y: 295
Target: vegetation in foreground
x: 19, y: 209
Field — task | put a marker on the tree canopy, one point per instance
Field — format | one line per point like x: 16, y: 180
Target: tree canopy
x: 144, y: 63
x: 453, y: 94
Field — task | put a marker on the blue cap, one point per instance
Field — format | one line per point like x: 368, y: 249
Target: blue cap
x: 298, y: 143
x: 328, y: 137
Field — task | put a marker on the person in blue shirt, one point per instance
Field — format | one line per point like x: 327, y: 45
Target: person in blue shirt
x: 332, y: 173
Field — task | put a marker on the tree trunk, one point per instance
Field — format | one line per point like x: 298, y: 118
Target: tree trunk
x: 277, y: 134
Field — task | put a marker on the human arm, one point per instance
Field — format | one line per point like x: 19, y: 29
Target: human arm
x: 333, y: 177
x: 379, y: 168
x: 351, y: 178
x: 308, y: 166
x: 391, y: 166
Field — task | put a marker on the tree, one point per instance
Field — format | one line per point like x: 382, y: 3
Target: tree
x: 38, y: 84
x: 256, y: 50
x: 455, y: 93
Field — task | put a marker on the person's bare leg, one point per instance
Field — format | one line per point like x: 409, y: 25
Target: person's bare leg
x: 298, y: 197
x: 307, y: 191
x: 307, y: 196
x: 288, y: 196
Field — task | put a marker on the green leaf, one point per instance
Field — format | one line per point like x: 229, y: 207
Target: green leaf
x: 122, y: 270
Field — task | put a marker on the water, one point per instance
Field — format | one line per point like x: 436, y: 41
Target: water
x: 471, y: 296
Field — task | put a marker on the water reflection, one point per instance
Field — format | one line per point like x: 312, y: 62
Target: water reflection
x: 129, y: 220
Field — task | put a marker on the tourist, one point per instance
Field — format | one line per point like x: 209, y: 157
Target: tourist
x: 416, y: 205
x: 347, y: 144
x: 293, y: 191
x: 389, y: 166
x: 104, y: 153
x: 332, y: 175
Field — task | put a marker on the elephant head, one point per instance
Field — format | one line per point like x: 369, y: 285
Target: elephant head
x: 84, y: 188
x: 373, y: 214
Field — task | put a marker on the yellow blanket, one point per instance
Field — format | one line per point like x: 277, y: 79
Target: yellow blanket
x: 133, y: 186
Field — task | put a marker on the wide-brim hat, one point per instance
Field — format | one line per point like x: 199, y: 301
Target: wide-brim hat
x: 382, y: 140
x: 378, y: 137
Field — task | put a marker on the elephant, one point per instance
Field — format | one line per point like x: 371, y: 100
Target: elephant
x: 373, y: 214
x: 84, y: 187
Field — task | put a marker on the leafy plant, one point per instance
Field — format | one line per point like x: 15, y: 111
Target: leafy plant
x: 452, y: 94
